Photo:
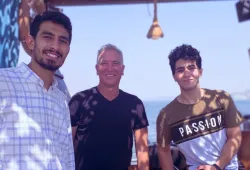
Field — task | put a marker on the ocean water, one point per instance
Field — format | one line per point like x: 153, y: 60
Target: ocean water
x: 153, y: 108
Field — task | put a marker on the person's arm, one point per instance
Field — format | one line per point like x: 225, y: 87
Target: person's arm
x: 38, y: 6
x: 75, y: 112
x: 229, y: 149
x: 65, y: 138
x: 141, y: 144
x: 231, y: 146
x: 163, y: 141
x: 24, y: 24
x: 74, y: 128
x: 141, y: 135
x: 232, y: 120
x: 165, y: 157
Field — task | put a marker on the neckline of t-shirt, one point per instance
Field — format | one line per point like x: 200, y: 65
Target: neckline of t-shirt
x: 205, y: 92
x: 110, y: 101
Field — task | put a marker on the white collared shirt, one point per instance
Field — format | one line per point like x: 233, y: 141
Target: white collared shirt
x: 35, y: 130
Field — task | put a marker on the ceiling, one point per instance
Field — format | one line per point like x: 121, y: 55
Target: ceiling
x: 113, y: 2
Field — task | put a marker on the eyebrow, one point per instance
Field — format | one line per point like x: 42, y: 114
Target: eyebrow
x: 116, y: 61
x: 46, y: 33
x: 183, y: 66
x: 49, y: 33
x: 191, y: 65
x: 106, y: 61
x: 179, y: 67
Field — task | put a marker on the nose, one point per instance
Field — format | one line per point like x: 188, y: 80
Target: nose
x: 55, y: 45
x: 110, y: 67
x: 187, y: 72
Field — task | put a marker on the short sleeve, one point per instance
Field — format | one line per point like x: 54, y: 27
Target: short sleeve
x: 75, y: 107
x: 232, y: 117
x: 163, y: 133
x: 141, y: 120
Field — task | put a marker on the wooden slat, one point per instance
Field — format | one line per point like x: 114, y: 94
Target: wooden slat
x: 113, y: 2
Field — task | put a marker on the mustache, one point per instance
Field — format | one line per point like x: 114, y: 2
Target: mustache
x: 53, y: 51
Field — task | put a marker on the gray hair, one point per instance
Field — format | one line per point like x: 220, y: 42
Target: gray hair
x: 108, y: 47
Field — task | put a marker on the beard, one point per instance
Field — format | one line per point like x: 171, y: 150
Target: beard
x: 50, y: 65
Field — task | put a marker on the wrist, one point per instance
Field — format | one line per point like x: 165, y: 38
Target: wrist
x: 217, y: 167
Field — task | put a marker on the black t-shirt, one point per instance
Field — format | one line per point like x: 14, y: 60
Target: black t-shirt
x: 104, y: 137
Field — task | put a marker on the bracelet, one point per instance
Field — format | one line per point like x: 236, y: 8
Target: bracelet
x: 217, y: 167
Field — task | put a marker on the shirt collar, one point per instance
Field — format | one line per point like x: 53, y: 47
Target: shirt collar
x: 31, y: 75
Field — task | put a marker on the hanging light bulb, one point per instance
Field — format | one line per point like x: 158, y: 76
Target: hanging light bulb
x: 155, y: 30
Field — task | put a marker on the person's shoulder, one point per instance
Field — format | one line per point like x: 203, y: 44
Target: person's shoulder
x: 6, y: 74
x: 217, y: 92
x: 171, y: 104
x: 85, y: 93
x: 130, y: 96
x: 168, y: 108
x: 166, y: 112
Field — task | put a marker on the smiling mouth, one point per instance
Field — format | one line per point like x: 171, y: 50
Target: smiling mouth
x: 188, y: 80
x: 110, y: 75
x: 52, y: 54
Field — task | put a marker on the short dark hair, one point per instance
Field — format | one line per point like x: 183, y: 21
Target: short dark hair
x: 186, y: 52
x: 53, y: 16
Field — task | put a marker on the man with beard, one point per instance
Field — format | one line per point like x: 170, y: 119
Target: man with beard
x: 105, y: 118
x: 34, y: 115
x: 205, y: 124
x: 37, y: 7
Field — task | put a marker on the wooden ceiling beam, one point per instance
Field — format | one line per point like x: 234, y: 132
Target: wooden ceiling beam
x: 116, y: 2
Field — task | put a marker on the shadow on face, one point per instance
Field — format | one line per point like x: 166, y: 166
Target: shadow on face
x: 187, y: 74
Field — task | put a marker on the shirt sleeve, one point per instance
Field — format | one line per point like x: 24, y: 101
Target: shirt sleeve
x: 66, y: 141
x: 163, y: 134
x: 232, y: 117
x: 75, y: 109
x: 141, y: 120
x: 69, y: 148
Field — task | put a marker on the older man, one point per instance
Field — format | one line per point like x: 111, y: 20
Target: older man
x: 105, y: 118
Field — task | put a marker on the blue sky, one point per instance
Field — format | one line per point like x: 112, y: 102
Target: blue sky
x: 211, y: 27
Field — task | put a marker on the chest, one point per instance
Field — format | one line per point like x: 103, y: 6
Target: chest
x: 196, y: 122
x: 106, y: 117
x: 30, y: 108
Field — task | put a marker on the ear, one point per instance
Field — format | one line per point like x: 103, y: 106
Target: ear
x: 174, y: 77
x: 201, y: 72
x: 30, y: 42
x: 96, y: 68
x: 123, y: 67
x: 25, y: 46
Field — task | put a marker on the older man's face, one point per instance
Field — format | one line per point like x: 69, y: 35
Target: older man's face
x: 110, y: 68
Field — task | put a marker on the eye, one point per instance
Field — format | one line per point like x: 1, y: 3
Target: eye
x: 104, y: 64
x: 116, y: 63
x: 63, y: 41
x: 47, y: 37
x: 191, y: 67
x: 180, y: 70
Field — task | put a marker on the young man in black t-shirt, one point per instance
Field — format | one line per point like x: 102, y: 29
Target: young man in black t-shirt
x: 105, y: 119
